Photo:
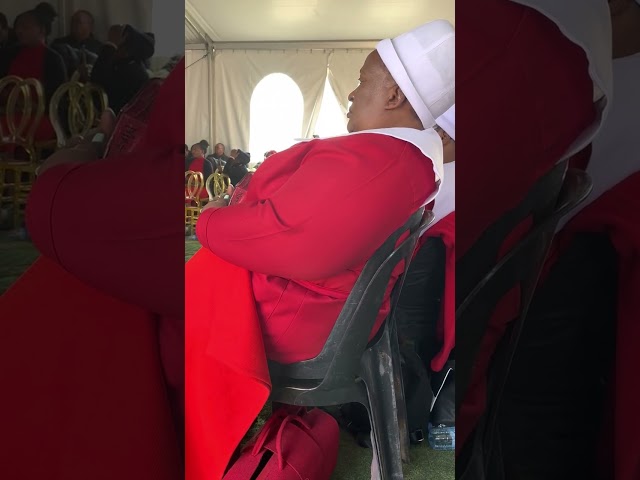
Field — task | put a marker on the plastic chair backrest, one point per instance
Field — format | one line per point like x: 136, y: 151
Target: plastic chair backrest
x: 551, y: 198
x: 339, y: 360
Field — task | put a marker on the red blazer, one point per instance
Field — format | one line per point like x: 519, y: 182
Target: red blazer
x: 311, y: 218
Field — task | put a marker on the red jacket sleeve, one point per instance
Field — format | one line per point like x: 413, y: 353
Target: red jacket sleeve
x: 116, y: 224
x: 332, y: 213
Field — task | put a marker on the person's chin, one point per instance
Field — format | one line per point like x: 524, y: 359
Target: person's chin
x: 350, y: 126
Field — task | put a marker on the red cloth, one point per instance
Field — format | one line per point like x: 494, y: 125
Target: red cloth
x: 527, y: 96
x: 227, y: 379
x: 97, y: 347
x: 446, y: 230
x: 616, y: 212
x: 29, y: 62
x: 83, y: 394
x: 311, y: 218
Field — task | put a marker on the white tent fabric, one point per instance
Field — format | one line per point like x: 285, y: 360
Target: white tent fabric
x: 197, y: 96
x: 237, y: 72
x: 344, y: 71
x: 339, y: 47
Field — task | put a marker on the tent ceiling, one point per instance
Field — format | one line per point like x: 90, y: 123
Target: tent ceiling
x: 307, y: 20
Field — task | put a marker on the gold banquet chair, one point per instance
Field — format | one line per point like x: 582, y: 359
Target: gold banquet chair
x: 194, y: 184
x: 75, y: 109
x: 22, y: 102
x: 217, y: 185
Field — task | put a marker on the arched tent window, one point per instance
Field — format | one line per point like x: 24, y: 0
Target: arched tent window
x: 276, y: 113
x: 331, y: 120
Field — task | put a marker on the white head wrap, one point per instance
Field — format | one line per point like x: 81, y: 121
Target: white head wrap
x: 447, y: 122
x: 422, y: 62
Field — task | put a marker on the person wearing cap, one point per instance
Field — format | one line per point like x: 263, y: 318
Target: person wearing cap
x: 236, y: 166
x: 298, y: 240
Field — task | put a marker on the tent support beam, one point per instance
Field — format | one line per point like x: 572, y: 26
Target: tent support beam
x: 303, y: 45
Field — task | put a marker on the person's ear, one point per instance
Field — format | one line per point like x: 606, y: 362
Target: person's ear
x: 395, y: 98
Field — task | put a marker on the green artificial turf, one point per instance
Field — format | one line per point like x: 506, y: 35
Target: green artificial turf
x: 15, y: 257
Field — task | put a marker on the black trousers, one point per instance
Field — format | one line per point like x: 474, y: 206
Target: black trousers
x: 551, y: 414
x: 418, y: 308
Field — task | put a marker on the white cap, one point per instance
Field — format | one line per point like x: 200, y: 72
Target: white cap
x: 422, y: 62
x: 447, y: 122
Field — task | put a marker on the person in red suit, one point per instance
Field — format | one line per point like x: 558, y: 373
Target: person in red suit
x: 311, y: 217
x: 92, y: 346
x: 198, y: 163
x: 32, y: 58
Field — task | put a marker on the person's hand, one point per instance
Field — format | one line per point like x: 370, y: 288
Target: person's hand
x: 83, y: 72
x: 83, y: 149
x: 217, y: 202
x: 116, y: 35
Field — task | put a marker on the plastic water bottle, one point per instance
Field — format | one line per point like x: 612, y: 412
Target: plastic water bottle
x: 442, y: 437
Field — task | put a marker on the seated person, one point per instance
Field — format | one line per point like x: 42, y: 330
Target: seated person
x: 120, y: 68
x: 218, y: 156
x: 31, y: 58
x: 298, y: 239
x: 198, y: 163
x: 81, y: 36
x: 305, y: 237
x: 236, y: 166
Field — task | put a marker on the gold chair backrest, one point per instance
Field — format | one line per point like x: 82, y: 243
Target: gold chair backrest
x: 81, y: 110
x: 23, y: 105
x: 193, y: 185
x: 217, y: 185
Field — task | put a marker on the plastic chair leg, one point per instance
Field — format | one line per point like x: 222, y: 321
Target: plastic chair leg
x: 401, y: 406
x: 378, y: 376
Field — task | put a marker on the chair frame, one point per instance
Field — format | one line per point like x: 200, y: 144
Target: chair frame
x: 82, y: 115
x: 575, y: 186
x: 351, y: 369
x: 22, y: 133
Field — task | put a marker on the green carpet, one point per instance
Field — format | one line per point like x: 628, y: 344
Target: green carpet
x: 15, y: 258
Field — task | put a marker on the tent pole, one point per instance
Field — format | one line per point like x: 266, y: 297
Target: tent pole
x: 62, y: 18
x: 212, y: 97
